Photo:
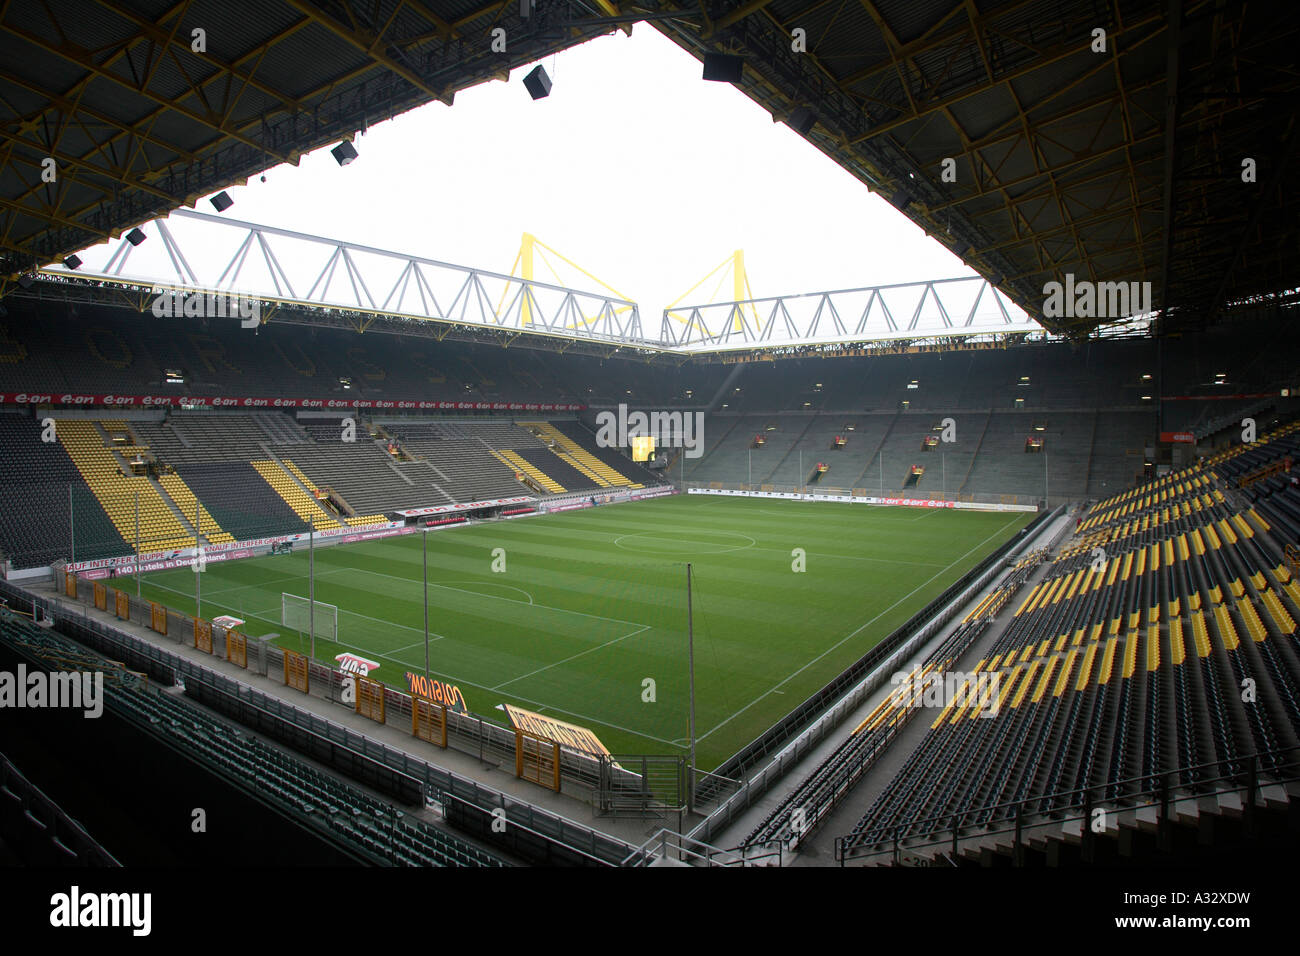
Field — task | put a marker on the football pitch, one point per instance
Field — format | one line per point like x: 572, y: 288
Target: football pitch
x: 582, y: 615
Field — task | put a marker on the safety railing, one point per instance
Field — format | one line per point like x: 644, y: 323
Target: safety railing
x: 667, y: 845
x: 944, y: 832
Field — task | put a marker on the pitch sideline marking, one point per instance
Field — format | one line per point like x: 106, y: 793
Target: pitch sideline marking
x: 640, y: 628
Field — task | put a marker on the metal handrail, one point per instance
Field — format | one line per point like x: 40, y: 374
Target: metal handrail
x: 686, y: 846
x: 950, y: 823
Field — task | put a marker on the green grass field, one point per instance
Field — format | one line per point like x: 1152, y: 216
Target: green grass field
x: 592, y: 603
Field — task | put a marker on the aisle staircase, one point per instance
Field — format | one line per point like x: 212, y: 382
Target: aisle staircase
x: 160, y: 530
x: 353, y: 521
x: 302, y: 503
x: 578, y: 457
x: 184, y: 499
x: 539, y: 477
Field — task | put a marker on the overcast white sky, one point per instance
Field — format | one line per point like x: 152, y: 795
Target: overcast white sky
x: 634, y: 167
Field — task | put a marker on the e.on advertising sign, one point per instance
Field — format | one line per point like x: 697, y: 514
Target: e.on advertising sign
x: 242, y: 401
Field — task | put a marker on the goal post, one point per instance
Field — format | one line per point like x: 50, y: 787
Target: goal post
x: 296, y: 614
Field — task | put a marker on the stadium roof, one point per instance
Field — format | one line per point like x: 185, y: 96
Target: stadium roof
x: 140, y: 123
x: 1122, y: 165
x: 1115, y: 165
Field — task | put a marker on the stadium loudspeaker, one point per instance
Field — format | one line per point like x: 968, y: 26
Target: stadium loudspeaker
x: 903, y: 200
x: 960, y: 250
x: 344, y: 153
x: 538, y: 83
x: 73, y: 262
x: 222, y: 201
x: 802, y: 120
x: 135, y: 237
x: 25, y: 281
x: 723, y: 68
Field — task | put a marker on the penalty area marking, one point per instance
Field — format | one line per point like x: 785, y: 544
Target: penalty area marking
x: 433, y: 635
x: 389, y: 656
x: 641, y: 628
x: 482, y: 584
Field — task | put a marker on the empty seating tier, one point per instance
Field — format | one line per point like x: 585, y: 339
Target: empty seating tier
x: 47, y: 511
x: 241, y: 500
x: 364, y: 475
x: 579, y: 457
x: 1124, y: 664
x: 352, y: 817
x: 562, y: 472
x: 543, y: 481
x: 118, y: 493
x: 184, y: 499
x: 303, y: 505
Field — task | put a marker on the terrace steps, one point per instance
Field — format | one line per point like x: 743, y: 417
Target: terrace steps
x: 542, y: 479
x: 291, y: 488
x: 791, y: 450
x: 160, y: 530
x: 183, y: 498
x: 880, y: 445
x: 573, y: 454
x: 714, y: 447
x: 971, y: 464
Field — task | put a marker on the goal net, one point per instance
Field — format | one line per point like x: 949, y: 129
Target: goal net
x: 296, y: 614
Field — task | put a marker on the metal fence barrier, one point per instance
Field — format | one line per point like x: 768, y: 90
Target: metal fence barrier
x: 943, y: 834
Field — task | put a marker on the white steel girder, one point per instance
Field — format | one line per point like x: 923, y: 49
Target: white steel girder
x: 946, y: 308
x: 195, y: 252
